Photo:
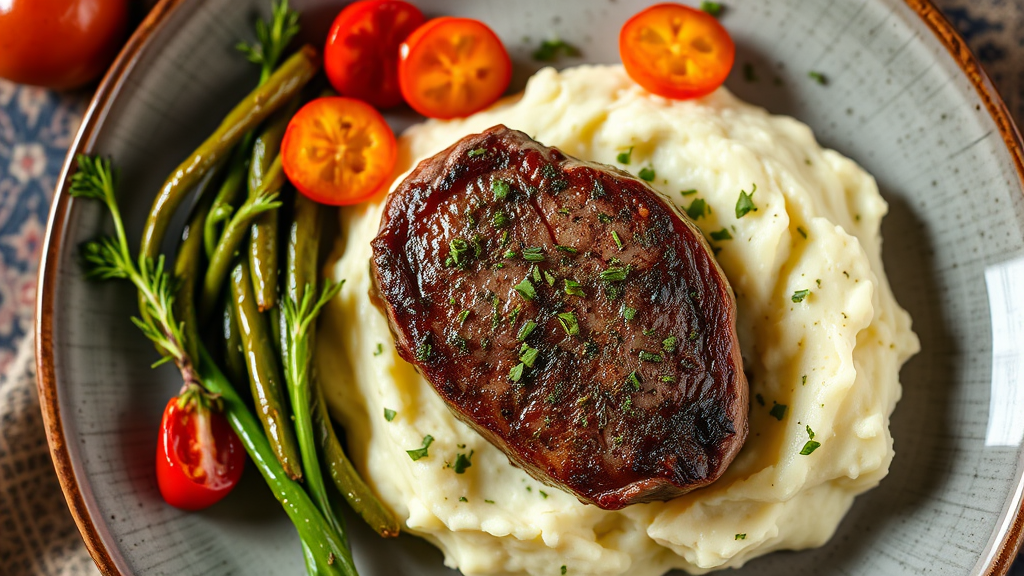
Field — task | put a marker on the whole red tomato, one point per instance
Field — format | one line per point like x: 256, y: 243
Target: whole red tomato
x: 199, y: 459
x: 59, y: 43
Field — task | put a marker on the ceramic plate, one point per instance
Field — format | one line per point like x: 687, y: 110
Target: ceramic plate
x: 904, y: 98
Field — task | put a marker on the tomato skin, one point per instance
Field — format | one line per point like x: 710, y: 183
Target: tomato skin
x: 660, y: 40
x: 474, y: 73
x: 361, y: 55
x: 180, y: 464
x: 338, y: 151
x: 59, y: 44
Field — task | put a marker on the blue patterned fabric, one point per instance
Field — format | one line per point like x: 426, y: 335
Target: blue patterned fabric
x: 37, y: 127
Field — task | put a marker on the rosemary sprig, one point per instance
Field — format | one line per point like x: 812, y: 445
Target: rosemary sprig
x: 271, y: 38
x: 300, y: 318
x: 108, y: 257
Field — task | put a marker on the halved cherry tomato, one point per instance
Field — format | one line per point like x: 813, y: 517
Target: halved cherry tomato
x: 198, y: 457
x: 676, y: 51
x: 338, y: 150
x: 453, y: 67
x: 361, y: 55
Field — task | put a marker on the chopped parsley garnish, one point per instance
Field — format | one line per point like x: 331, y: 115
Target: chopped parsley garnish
x: 799, y: 295
x: 646, y: 356
x: 564, y: 569
x: 634, y: 381
x: 604, y: 218
x: 569, y: 323
x: 803, y: 382
x: 526, y: 289
x: 390, y: 414
x: 628, y: 313
x: 809, y: 447
x: 817, y: 77
x: 500, y: 219
x: 801, y: 230
x: 549, y: 278
x: 614, y: 274
x: 623, y: 157
x: 550, y: 50
x: 722, y: 234
x: 535, y: 254
x: 741, y: 536
x: 688, y: 192
x: 647, y: 173
x: 778, y: 411
x: 526, y: 330
x: 543, y: 494
x: 618, y: 241
x: 536, y: 273
x: 424, y: 351
x: 516, y: 372
x: 627, y: 405
x: 379, y: 350
x: 669, y: 344
x: 462, y: 317
x: 668, y: 379
x: 459, y: 248
x: 500, y: 189
x: 745, y: 203
x: 697, y: 209
x: 463, y: 499
x: 573, y: 288
x: 462, y: 462
x: 810, y: 433
x: 489, y: 501
x: 510, y: 254
x: 528, y: 355
x: 566, y: 249
x: 421, y: 452
x: 476, y: 152
x: 713, y: 8
x: 759, y: 398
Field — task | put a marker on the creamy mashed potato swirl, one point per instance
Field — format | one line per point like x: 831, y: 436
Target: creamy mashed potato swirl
x: 828, y: 363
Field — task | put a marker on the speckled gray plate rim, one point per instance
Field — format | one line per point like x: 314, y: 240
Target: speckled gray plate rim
x: 906, y: 99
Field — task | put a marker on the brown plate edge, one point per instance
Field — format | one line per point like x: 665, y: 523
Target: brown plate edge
x: 48, y: 275
x: 1005, y: 551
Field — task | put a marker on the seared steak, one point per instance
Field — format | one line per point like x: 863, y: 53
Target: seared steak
x: 562, y: 309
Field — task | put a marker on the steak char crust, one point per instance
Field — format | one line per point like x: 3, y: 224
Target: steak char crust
x: 563, y: 310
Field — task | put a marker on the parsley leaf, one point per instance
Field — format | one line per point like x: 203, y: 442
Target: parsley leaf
x: 614, y: 274
x: 697, y: 209
x: 809, y: 447
x: 745, y: 203
x: 722, y: 234
x: 390, y: 414
x: 535, y: 254
x: 528, y: 355
x: 421, y: 452
x: 669, y: 344
x: 551, y: 50
x: 778, y: 411
x: 623, y: 157
x: 741, y: 536
x: 817, y: 77
x: 424, y: 351
x: 526, y: 289
x: 647, y: 173
x: 516, y: 372
x: 573, y: 288
x: 526, y: 330
x: 628, y: 313
x: 476, y: 152
x: 646, y: 356
x: 713, y: 8
x: 462, y: 462
x: 500, y: 189
x: 799, y: 295
x: 569, y: 323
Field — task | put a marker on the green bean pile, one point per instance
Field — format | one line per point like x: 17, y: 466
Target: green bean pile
x: 233, y: 309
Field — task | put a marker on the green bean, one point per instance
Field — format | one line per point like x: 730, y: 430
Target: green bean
x: 227, y: 195
x: 322, y: 545
x: 187, y: 264
x: 264, y: 373
x: 263, y: 236
x: 234, y: 357
x: 234, y: 234
x: 303, y: 246
x: 281, y: 87
x: 345, y: 477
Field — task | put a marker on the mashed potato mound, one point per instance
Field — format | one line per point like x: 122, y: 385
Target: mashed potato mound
x: 822, y: 337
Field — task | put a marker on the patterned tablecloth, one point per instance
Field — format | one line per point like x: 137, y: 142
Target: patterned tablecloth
x: 37, y: 535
